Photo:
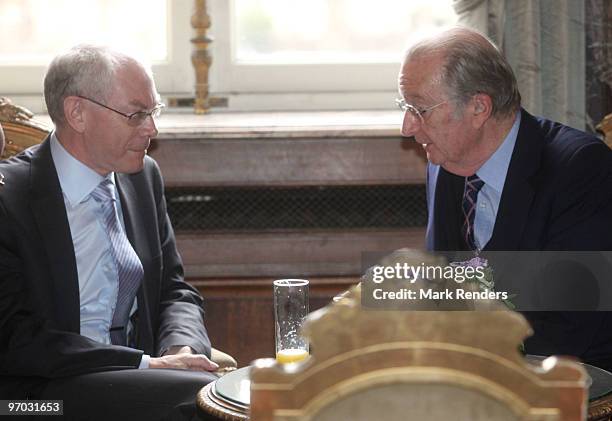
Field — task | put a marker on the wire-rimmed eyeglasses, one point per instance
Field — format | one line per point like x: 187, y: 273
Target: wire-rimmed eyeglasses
x: 134, y: 119
x: 418, y: 113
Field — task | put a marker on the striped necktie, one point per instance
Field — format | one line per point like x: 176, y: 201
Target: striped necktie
x: 129, y: 267
x: 473, y: 184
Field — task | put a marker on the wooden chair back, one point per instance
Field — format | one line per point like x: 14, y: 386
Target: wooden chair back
x: 416, y: 365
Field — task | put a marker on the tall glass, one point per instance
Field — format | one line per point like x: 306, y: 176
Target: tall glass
x: 290, y: 309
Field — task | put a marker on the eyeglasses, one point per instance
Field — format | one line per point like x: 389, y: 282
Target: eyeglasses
x: 134, y: 119
x: 414, y: 111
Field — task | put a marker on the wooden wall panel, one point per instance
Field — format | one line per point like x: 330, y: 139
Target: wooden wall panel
x: 289, y: 162
x: 290, y: 254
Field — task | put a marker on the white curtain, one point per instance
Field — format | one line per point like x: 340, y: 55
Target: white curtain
x: 544, y: 41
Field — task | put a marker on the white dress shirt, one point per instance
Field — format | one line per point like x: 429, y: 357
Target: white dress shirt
x: 96, y: 268
x: 493, y: 172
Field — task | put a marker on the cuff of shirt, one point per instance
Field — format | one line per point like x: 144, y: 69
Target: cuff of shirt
x: 144, y: 362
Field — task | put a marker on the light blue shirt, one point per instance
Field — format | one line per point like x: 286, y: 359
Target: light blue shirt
x: 96, y: 268
x: 493, y: 172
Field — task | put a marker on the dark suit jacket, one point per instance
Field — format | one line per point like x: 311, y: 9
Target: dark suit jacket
x: 557, y: 196
x: 39, y: 290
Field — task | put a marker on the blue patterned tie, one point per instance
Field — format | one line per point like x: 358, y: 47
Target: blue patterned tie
x: 473, y: 184
x: 129, y: 267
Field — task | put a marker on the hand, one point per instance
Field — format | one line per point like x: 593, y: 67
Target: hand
x: 183, y: 358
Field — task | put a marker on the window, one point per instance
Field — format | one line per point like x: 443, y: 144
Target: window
x: 43, y: 27
x: 33, y: 31
x: 316, y: 53
x: 267, y: 54
x: 332, y: 31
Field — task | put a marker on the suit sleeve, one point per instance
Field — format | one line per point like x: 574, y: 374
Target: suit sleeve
x: 181, y: 314
x: 581, y: 220
x: 29, y: 344
x: 582, y: 211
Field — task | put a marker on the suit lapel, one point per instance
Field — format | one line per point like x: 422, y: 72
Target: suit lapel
x: 518, y: 193
x: 432, y: 180
x: 134, y: 224
x: 49, y: 209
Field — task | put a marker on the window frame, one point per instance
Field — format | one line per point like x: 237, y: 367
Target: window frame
x: 173, y: 75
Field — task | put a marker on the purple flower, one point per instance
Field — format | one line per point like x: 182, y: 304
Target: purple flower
x: 476, y: 262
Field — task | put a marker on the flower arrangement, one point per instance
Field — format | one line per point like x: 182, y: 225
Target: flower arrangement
x: 485, y: 282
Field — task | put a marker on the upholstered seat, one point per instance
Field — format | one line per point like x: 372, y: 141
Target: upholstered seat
x: 416, y: 365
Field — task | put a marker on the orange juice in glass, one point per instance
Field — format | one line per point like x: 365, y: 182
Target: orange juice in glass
x: 290, y: 309
x: 291, y: 355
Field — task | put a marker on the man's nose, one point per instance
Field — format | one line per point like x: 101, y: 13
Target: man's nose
x: 410, y: 125
x: 150, y: 127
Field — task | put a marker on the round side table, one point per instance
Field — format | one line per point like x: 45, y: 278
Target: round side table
x: 212, y: 404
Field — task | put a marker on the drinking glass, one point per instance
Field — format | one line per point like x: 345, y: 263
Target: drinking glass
x: 290, y: 309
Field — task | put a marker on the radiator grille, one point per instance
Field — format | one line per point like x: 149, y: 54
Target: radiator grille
x: 240, y: 208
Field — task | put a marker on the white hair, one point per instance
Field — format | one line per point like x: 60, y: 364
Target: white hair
x: 472, y: 65
x: 86, y: 70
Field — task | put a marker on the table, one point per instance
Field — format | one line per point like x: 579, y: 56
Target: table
x: 228, y: 398
x: 600, y: 394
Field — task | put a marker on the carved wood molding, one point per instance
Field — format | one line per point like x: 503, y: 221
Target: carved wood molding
x: 201, y: 59
x: 600, y: 410
x: 224, y: 410
x: 606, y: 128
x: 20, y: 128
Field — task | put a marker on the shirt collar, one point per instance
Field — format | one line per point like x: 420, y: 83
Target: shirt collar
x: 493, y: 171
x: 76, y: 179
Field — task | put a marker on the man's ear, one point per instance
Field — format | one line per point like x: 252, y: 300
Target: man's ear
x: 74, y: 113
x: 482, y: 107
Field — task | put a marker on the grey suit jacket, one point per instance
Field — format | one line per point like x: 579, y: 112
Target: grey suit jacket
x: 39, y: 289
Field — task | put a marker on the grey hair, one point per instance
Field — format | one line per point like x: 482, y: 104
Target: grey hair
x: 86, y: 70
x: 472, y: 65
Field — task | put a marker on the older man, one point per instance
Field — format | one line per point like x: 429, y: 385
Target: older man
x: 92, y: 296
x: 499, y: 178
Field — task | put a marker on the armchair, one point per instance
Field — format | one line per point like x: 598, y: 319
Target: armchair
x: 416, y: 365
x: 20, y: 130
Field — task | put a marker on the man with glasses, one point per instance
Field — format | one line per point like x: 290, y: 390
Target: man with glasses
x: 93, y: 306
x: 500, y: 179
